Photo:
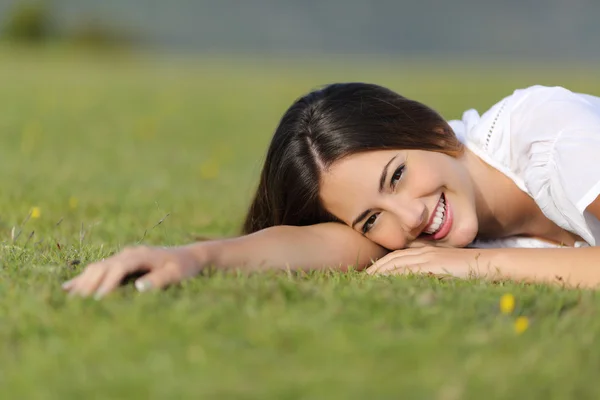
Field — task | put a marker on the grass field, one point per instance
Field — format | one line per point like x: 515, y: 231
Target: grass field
x: 97, y: 150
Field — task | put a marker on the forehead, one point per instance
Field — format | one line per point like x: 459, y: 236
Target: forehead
x: 353, y: 182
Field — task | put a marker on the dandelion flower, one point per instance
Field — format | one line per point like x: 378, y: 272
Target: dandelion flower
x: 35, y: 212
x: 507, y: 303
x: 521, y: 324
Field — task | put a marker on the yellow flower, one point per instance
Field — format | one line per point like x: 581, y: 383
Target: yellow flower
x: 35, y: 212
x: 507, y: 303
x: 73, y: 202
x: 521, y: 324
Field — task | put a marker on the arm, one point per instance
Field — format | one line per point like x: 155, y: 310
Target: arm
x: 321, y: 246
x: 578, y: 267
x: 328, y: 245
x: 572, y: 266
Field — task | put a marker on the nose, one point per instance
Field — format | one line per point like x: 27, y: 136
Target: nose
x: 411, y: 214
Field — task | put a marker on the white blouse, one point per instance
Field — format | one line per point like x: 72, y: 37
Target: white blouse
x: 547, y: 140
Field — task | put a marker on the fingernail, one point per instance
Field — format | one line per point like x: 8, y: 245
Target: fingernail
x: 99, y: 294
x: 67, y: 284
x: 143, y: 285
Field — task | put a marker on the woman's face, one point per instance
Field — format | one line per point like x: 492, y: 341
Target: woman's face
x: 399, y: 198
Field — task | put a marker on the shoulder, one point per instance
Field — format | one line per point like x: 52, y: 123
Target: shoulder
x: 534, y: 104
x: 542, y: 112
x: 551, y: 110
x: 547, y: 140
x: 486, y: 131
x: 554, y: 147
x: 495, y: 136
x: 534, y: 122
x: 547, y: 123
x: 530, y: 120
x: 550, y: 129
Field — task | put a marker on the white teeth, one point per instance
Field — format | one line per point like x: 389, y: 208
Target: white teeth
x: 437, y: 219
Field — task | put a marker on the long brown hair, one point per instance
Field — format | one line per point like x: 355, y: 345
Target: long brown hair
x: 326, y: 125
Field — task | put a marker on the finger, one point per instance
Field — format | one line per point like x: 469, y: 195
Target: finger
x: 408, y: 262
x: 404, y: 270
x: 78, y: 281
x: 394, y: 255
x: 374, y: 269
x: 119, y: 266
x: 67, y: 285
x: 383, y: 267
x: 409, y: 256
x: 391, y: 258
x: 159, y: 278
x: 414, y: 269
x: 111, y: 280
x: 411, y: 251
x: 393, y: 269
x: 88, y: 282
x: 380, y: 263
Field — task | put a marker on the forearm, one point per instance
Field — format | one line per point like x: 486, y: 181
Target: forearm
x: 323, y: 246
x: 577, y: 267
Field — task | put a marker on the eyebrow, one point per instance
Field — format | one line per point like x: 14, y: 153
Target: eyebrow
x: 382, y: 180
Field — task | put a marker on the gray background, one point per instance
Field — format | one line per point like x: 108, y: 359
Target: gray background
x: 560, y: 30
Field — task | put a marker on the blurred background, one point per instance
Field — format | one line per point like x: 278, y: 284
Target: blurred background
x: 119, y: 112
x: 554, y: 30
x: 127, y: 122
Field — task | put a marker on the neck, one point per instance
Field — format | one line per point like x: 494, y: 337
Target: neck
x: 502, y: 208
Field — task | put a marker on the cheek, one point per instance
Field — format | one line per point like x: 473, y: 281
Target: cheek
x: 426, y: 178
x: 465, y: 222
x: 389, y: 235
x: 464, y: 236
x: 459, y: 177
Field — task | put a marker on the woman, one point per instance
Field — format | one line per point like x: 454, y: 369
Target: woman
x: 356, y: 173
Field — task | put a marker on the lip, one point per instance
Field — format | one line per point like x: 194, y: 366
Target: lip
x: 446, y: 225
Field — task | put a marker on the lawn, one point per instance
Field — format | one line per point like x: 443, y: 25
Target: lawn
x: 103, y: 151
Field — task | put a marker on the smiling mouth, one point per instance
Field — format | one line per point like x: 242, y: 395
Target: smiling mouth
x: 438, y: 218
x: 440, y: 222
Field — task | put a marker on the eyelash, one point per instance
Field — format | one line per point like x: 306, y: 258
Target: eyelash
x: 400, y: 171
x: 393, y: 183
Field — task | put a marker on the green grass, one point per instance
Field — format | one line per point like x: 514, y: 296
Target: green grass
x: 136, y: 141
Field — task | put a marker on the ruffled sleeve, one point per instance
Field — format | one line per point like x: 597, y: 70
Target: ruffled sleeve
x: 556, y: 145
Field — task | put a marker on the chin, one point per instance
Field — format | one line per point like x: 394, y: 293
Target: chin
x: 463, y: 237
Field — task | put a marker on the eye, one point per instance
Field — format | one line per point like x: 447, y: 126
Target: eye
x: 396, y: 176
x: 369, y: 223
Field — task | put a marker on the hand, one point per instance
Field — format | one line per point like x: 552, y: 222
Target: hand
x: 162, y: 267
x: 440, y: 261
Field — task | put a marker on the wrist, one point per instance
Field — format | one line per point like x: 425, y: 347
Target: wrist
x: 205, y: 253
x: 489, y: 264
